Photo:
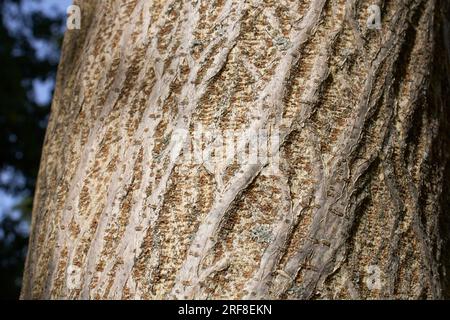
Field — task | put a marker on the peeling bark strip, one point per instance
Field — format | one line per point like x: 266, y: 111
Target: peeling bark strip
x: 359, y: 206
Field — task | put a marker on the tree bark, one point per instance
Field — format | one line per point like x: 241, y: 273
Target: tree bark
x: 357, y: 208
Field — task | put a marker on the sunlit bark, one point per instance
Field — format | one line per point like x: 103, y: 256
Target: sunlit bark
x: 359, y: 207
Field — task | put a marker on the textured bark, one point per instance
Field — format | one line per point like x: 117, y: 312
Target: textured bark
x: 364, y: 153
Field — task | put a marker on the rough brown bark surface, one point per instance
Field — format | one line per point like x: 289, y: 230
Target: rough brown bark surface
x: 364, y: 153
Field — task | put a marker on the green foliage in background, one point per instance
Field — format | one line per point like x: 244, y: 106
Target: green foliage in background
x: 29, y: 52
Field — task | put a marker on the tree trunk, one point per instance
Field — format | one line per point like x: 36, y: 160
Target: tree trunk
x: 352, y: 200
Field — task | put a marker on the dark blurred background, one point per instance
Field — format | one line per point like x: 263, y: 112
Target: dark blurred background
x: 30, y: 37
